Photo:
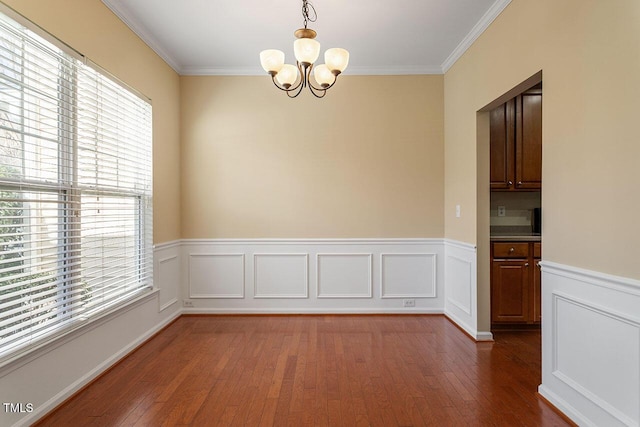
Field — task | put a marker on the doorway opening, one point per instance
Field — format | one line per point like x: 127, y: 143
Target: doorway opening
x: 509, y: 185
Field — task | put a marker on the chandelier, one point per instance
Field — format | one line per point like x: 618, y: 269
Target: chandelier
x: 292, y: 79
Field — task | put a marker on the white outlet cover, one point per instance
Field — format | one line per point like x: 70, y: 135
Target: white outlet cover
x: 457, y: 211
x: 502, y: 211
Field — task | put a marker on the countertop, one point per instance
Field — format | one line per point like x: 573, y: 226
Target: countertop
x: 515, y: 238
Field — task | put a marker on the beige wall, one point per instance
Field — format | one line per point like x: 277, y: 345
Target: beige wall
x: 365, y: 161
x: 589, y: 52
x: 92, y: 29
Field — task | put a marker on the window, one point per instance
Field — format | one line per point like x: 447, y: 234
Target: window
x: 75, y: 191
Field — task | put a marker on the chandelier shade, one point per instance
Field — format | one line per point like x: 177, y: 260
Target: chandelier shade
x: 336, y: 59
x: 272, y: 60
x: 287, y: 75
x: 306, y: 50
x: 323, y: 75
x: 293, y: 78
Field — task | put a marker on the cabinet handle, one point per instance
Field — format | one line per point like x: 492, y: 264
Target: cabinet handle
x: 538, y: 264
x: 526, y: 264
x: 519, y: 183
x: 510, y: 183
x: 511, y: 250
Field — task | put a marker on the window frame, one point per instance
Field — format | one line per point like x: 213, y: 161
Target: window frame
x: 69, y: 196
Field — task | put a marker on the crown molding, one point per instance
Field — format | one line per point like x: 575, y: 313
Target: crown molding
x: 484, y: 22
x: 139, y: 29
x: 351, y: 71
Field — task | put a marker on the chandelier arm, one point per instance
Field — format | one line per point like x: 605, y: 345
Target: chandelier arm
x: 314, y: 89
x: 302, y: 83
x: 305, y: 72
x: 335, y: 79
x: 291, y: 89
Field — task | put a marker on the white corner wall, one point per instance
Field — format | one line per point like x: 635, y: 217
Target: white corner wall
x: 591, y: 345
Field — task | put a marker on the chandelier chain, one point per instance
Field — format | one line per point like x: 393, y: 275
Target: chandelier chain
x: 306, y: 6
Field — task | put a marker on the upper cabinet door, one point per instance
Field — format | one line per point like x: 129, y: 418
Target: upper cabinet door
x: 529, y: 140
x: 502, y: 136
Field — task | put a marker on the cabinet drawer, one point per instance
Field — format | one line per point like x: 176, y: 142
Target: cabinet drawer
x: 510, y: 250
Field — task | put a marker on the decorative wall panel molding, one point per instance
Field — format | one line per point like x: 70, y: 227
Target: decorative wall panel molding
x: 281, y: 275
x: 460, y: 274
x: 313, y: 275
x: 408, y: 275
x: 216, y: 275
x: 167, y: 271
x: 461, y: 303
x: 591, y: 345
x: 344, y: 275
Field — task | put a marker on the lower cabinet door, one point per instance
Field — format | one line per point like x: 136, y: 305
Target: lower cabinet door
x: 510, y: 291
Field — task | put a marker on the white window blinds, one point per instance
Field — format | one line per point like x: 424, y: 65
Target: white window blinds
x: 75, y: 191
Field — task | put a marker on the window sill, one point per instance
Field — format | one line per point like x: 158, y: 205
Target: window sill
x: 13, y: 361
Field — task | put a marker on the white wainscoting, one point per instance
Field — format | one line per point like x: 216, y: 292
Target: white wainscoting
x: 344, y: 276
x: 461, y: 288
x: 313, y: 275
x: 591, y: 345
x: 281, y: 275
x: 166, y: 273
x: 216, y: 275
x: 408, y: 275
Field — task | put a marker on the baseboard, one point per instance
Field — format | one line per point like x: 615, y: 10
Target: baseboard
x: 563, y: 407
x: 315, y: 311
x: 471, y: 332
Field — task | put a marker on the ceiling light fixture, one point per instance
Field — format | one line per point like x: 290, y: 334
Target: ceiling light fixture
x: 292, y: 79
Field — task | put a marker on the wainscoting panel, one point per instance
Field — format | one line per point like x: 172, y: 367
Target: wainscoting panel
x: 313, y: 275
x: 591, y: 345
x: 408, y: 275
x: 166, y: 272
x: 461, y: 288
x: 344, y: 276
x: 216, y: 275
x: 460, y: 295
x: 281, y: 275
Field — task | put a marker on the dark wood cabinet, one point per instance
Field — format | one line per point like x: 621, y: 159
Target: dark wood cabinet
x: 516, y: 143
x: 515, y: 284
x: 510, y: 291
x: 502, y: 143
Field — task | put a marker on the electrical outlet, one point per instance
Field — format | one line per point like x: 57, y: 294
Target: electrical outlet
x: 409, y: 303
x: 187, y: 303
x: 502, y: 211
x: 457, y: 211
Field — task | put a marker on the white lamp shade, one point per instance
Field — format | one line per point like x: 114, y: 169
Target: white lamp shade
x: 272, y: 60
x: 336, y: 59
x: 323, y: 75
x: 306, y: 50
x: 287, y: 75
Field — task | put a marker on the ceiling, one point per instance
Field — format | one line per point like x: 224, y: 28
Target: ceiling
x: 225, y: 37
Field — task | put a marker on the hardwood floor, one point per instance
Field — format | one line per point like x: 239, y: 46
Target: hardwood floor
x: 372, y: 370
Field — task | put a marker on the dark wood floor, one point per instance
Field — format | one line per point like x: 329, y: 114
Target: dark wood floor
x: 318, y: 370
